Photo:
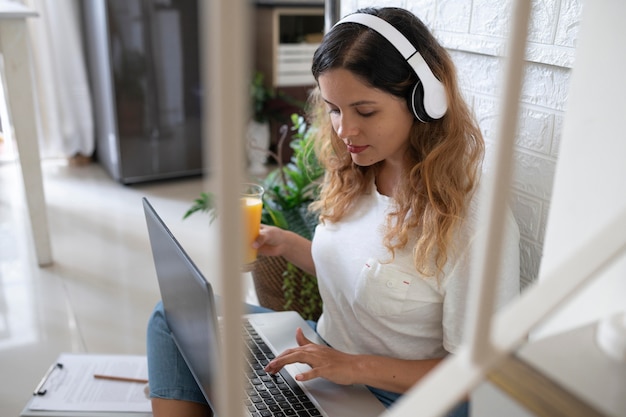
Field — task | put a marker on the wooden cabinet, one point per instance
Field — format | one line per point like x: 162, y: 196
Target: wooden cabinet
x: 285, y: 38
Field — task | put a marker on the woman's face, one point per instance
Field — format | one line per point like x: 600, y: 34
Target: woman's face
x: 373, y: 124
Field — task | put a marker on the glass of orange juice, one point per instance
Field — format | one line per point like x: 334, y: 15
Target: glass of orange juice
x: 251, y: 206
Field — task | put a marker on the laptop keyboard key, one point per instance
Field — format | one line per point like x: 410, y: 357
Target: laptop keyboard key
x: 272, y: 395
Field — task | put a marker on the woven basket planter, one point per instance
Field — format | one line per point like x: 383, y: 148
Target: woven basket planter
x: 268, y: 277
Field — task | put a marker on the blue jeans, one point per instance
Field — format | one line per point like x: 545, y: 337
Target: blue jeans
x: 168, y: 374
x: 170, y: 377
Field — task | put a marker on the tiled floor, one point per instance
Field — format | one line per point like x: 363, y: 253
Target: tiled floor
x: 99, y: 292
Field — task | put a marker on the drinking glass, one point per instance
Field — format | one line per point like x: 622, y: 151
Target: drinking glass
x: 251, y: 205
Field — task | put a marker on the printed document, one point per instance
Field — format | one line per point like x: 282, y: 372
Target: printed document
x: 71, y: 386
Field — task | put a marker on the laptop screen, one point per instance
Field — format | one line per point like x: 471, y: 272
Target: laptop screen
x: 189, y: 304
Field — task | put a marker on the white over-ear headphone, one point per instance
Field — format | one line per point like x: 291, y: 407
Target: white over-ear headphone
x: 429, y: 102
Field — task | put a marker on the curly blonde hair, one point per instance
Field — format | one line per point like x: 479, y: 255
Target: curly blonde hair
x: 444, y: 158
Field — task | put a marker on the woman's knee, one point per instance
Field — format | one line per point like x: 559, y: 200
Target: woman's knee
x: 157, y: 322
x: 167, y: 408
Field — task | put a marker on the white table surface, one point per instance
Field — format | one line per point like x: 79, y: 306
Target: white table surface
x: 13, y: 10
x: 15, y: 49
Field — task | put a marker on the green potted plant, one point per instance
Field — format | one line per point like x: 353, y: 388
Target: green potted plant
x: 258, y: 131
x: 268, y: 107
x: 289, y: 189
x: 261, y: 97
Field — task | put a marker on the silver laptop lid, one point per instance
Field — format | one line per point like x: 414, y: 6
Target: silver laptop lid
x: 189, y: 304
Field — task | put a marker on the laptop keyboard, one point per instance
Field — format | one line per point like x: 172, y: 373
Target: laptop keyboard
x: 271, y: 395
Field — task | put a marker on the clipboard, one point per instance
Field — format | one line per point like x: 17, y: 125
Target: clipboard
x: 33, y: 413
x: 69, y: 388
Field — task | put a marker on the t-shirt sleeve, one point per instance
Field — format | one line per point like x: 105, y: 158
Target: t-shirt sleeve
x: 456, y: 284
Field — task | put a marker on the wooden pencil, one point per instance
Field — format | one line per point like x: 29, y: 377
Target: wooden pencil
x: 120, y: 378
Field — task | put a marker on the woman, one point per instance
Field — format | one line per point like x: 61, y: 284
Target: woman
x: 398, y: 209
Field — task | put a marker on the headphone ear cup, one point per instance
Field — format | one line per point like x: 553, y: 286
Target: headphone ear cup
x: 416, y: 103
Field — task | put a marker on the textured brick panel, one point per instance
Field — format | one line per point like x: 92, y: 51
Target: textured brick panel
x: 454, y: 15
x: 491, y: 18
x: 530, y: 259
x: 543, y: 21
x: 526, y: 282
x: 558, y: 133
x: 487, y: 111
x: 545, y: 210
x: 527, y: 211
x: 425, y: 10
x: 479, y: 73
x: 546, y: 86
x: 380, y: 3
x: 569, y: 23
x: 348, y: 6
x: 535, y: 130
x: 534, y: 175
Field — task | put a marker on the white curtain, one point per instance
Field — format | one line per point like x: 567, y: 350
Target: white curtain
x: 61, y: 81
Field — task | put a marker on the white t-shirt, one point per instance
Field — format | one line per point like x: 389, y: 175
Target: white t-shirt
x: 388, y: 309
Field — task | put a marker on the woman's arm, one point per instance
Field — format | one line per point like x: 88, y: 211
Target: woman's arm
x: 273, y: 241
x: 395, y: 375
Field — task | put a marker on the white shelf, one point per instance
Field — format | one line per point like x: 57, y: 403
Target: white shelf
x: 294, y: 64
x: 283, y: 51
x: 574, y: 360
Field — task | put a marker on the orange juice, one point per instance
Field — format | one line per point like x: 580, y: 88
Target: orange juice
x: 251, y: 210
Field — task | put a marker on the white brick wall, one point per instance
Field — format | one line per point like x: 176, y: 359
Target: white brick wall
x: 475, y: 32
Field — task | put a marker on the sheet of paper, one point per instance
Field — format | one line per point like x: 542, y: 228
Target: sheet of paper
x: 73, y: 387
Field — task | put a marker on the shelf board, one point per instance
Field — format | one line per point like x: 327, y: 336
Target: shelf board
x: 564, y: 375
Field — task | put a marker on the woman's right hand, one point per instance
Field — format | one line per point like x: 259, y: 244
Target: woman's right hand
x: 270, y: 241
x: 274, y: 241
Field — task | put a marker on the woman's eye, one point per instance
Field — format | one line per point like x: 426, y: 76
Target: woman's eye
x: 366, y: 113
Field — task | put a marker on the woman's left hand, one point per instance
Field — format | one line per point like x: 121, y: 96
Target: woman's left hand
x: 325, y: 362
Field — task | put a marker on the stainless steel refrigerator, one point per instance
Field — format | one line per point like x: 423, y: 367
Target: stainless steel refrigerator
x: 144, y: 68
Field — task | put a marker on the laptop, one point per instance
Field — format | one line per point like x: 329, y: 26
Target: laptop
x: 190, y: 310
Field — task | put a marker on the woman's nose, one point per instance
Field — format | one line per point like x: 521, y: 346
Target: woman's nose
x: 346, y: 126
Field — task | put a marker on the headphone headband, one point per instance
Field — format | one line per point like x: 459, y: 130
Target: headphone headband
x: 434, y: 100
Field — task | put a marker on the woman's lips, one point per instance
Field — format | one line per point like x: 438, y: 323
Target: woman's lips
x: 356, y: 149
